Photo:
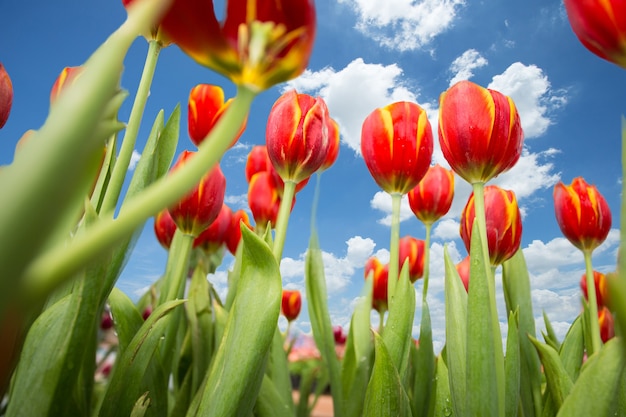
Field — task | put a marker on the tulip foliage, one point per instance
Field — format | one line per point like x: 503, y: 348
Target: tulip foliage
x: 74, y: 344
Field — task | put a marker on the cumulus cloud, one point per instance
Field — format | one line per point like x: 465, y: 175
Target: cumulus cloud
x: 237, y: 202
x: 463, y: 67
x: 134, y: 159
x: 404, y: 24
x: 382, y: 201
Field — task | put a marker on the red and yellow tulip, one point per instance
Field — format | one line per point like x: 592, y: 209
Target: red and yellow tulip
x: 214, y: 236
x: 380, y: 275
x: 601, y: 287
x: 234, y: 234
x: 432, y: 197
x: 291, y: 304
x: 412, y: 251
x: 164, y: 228
x: 263, y: 199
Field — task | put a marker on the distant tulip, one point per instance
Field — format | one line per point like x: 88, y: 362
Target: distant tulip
x: 412, y: 249
x: 258, y: 160
x: 606, y: 324
x: 214, y: 236
x: 164, y: 228
x: 6, y: 95
x: 291, y: 304
x: 66, y: 78
x: 463, y: 268
x: 297, y: 135
x: 333, y: 145
x: 205, y: 107
x: 340, y: 337
x: 432, y: 197
x: 397, y: 146
x: 600, y: 26
x: 380, y: 278
x: 197, y: 210
x: 263, y: 199
x: 258, y: 44
x: 504, y: 223
x: 582, y: 214
x: 234, y: 233
x: 601, y: 287
x: 479, y: 131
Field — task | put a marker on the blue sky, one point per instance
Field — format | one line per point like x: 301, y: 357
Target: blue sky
x: 368, y: 54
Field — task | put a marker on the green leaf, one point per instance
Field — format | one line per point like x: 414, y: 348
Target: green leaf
x: 125, y: 386
x: 237, y: 371
x: 385, y: 394
x: 271, y: 401
x: 512, y: 367
x: 559, y: 382
x: 550, y: 336
x: 456, y: 335
x: 126, y: 317
x: 596, y: 390
x: 443, y: 398
x: 424, y: 381
x: 317, y: 300
x: 278, y: 370
x: 573, y: 349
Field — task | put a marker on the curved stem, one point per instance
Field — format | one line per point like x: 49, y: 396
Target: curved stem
x: 429, y: 227
x: 132, y: 129
x: 60, y: 263
x: 596, y: 341
x: 394, y: 242
x: 283, y: 219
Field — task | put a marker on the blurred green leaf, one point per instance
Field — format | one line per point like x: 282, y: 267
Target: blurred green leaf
x: 550, y: 336
x: 559, y: 382
x: 127, y: 319
x: 385, y: 394
x: 424, y: 377
x: 271, y: 401
x: 512, y: 367
x: 278, y: 370
x: 317, y: 300
x: 443, y: 399
x: 141, y: 406
x: 456, y: 335
x: 573, y: 349
x: 237, y: 371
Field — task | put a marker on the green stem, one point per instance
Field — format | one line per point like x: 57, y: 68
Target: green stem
x: 132, y: 129
x: 177, y: 267
x: 394, y: 247
x: 596, y: 341
x: 283, y: 219
x: 429, y: 227
x: 381, y: 324
x: 59, y: 264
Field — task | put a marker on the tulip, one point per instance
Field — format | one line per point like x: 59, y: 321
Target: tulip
x: 340, y: 338
x: 479, y: 131
x: 291, y: 304
x: 6, y: 95
x: 333, y: 145
x: 205, y: 107
x: 432, y: 197
x: 259, y: 43
x: 213, y: 237
x: 601, y: 287
x: 263, y: 199
x: 297, y: 135
x: 197, y: 210
x: 463, y: 268
x: 503, y: 223
x: 582, y: 214
x: 380, y: 275
x: 600, y: 26
x: 66, y: 78
x: 412, y: 251
x: 155, y: 33
x: 164, y: 228
x: 606, y: 323
x: 397, y: 146
x: 234, y: 233
x: 258, y: 160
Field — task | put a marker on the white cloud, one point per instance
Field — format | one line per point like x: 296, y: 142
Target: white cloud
x: 348, y: 102
x: 531, y: 91
x: 382, y: 201
x: 446, y: 229
x: 404, y: 24
x: 134, y: 159
x: 463, y: 67
x: 237, y: 202
x: 530, y: 174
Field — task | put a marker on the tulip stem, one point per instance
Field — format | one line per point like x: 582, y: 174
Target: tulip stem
x: 592, y: 300
x: 394, y: 247
x: 62, y: 262
x: 283, y: 218
x: 177, y: 267
x: 429, y: 227
x: 132, y: 129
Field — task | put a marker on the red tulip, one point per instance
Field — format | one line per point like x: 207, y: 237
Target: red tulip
x: 463, y: 268
x: 381, y: 277
x: 155, y: 32
x: 607, y: 324
x: 291, y: 304
x: 66, y: 78
x: 340, y: 338
x: 504, y: 223
x: 479, y: 131
x: 259, y: 43
x: 432, y: 197
x: 600, y: 26
x: 234, y: 233
x: 397, y: 145
x: 205, y: 107
x: 582, y: 214
x: 412, y: 249
x: 213, y: 237
x: 601, y: 287
x: 197, y: 210
x: 263, y: 199
x: 164, y: 228
x: 333, y: 145
x: 297, y: 135
x: 258, y: 160
x: 6, y: 95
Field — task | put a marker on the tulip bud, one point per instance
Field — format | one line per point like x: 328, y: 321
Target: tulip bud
x: 412, y: 250
x: 432, y: 196
x: 197, y: 210
x: 463, y: 268
x: 480, y: 132
x: 582, y: 214
x: 6, y: 95
x: 601, y: 287
x: 297, y: 135
x: 205, y: 107
x: 606, y: 323
x: 213, y: 237
x: 164, y: 228
x: 291, y: 304
x: 503, y: 221
x: 65, y: 79
x: 397, y: 146
x: 258, y: 160
x: 234, y: 232
x: 263, y: 199
x: 340, y: 338
x: 258, y: 44
x: 600, y: 26
x: 380, y: 274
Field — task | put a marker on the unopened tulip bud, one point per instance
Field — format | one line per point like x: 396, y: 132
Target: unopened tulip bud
x: 432, y: 197
x: 601, y: 287
x: 213, y: 237
x: 291, y: 304
x: 164, y: 228
x: 234, y: 233
x: 380, y: 274
x: 412, y: 250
